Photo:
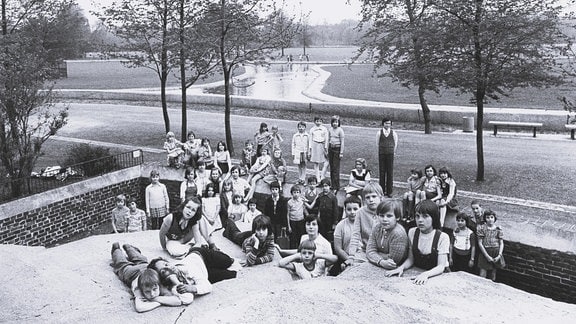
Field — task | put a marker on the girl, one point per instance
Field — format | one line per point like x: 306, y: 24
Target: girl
x: 301, y: 150
x: 319, y: 147
x: 448, y: 188
x: 236, y: 209
x: 335, y: 150
x: 136, y: 218
x: 276, y: 138
x: 205, y: 153
x: 462, y: 246
x: 240, y: 185
x: 216, y: 179
x: 252, y: 212
x: 429, y: 246
x: 372, y: 195
x: 312, y: 233
x: 310, y: 194
x: 308, y: 262
x: 359, y: 177
x: 202, y: 176
x: 295, y: 216
x: 259, y: 170
x: 388, y: 244
x: 226, y: 195
x: 262, y: 138
x: 157, y: 201
x: 491, y: 245
x: 210, y: 210
x: 191, y: 149
x: 222, y: 158
x: 415, y: 183
x: 248, y: 157
x: 180, y: 229
x: 188, y: 187
x: 258, y: 245
x: 174, y: 149
x: 276, y: 163
x: 430, y: 186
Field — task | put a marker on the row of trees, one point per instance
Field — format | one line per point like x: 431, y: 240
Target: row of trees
x: 196, y: 38
x: 31, y: 45
x: 484, y: 48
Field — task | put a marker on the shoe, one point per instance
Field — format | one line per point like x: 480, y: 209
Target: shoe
x: 127, y: 246
x: 115, y: 246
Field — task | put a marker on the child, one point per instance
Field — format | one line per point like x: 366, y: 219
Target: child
x: 275, y: 207
x: 248, y: 157
x: 477, y: 218
x: 430, y: 186
x: 258, y: 244
x: 448, y: 188
x: 307, y: 263
x: 372, y: 195
x: 216, y: 179
x: 301, y: 150
x: 188, y: 187
x: 429, y: 247
x: 388, y: 244
x: 222, y: 158
x: 191, y: 149
x: 202, y: 177
x: 136, y: 218
x: 144, y: 283
x: 359, y: 177
x: 252, y: 212
x: 343, y: 235
x: 259, y: 170
x: 312, y: 226
x: 491, y: 245
x: 205, y: 153
x: 415, y: 183
x: 319, y: 147
x: 276, y: 138
x: 295, y: 216
x: 462, y: 246
x: 210, y: 210
x: 335, y: 150
x: 174, y: 149
x: 277, y: 168
x: 237, y: 209
x: 310, y: 194
x: 327, y: 206
x: 225, y: 200
x: 119, y: 215
x: 240, y: 185
x: 157, y: 201
x: 262, y: 138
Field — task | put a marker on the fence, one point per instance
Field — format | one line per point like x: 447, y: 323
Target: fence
x: 55, y: 177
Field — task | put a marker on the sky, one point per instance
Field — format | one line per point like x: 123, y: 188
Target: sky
x: 320, y: 11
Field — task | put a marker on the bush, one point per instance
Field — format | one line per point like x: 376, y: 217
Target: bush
x: 90, y: 160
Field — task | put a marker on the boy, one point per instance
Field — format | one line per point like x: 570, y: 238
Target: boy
x: 301, y: 150
x: 119, y: 215
x: 307, y: 263
x: 295, y: 216
x: 364, y: 221
x: 327, y: 206
x: 275, y: 207
x: 477, y: 217
x: 387, y: 141
x: 144, y: 283
x: 310, y: 194
x: 343, y: 235
x: 157, y: 202
x: 136, y: 219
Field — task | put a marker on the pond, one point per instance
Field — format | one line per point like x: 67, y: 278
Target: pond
x: 274, y: 81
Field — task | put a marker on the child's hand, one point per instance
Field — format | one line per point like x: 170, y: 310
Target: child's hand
x: 420, y: 279
x: 277, y: 247
x: 451, y: 262
x: 471, y: 264
x: 256, y: 241
x: 398, y: 271
x: 289, y: 229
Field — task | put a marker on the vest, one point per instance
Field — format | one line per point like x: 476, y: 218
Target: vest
x: 386, y: 144
x: 425, y: 261
x: 175, y: 232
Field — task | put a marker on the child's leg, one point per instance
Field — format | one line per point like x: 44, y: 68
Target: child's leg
x: 442, y: 214
x: 482, y: 273
x: 493, y: 274
x: 134, y: 254
x: 324, y: 169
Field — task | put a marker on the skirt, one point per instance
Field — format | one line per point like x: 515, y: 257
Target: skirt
x: 484, y: 264
x: 318, y: 155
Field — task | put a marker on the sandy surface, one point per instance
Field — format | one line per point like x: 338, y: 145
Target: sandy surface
x: 74, y: 283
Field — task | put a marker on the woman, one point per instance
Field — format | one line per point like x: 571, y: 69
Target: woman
x: 180, y: 229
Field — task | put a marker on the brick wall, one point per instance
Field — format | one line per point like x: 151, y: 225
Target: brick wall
x: 540, y: 271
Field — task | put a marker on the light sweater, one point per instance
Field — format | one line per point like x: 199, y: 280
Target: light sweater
x: 362, y: 229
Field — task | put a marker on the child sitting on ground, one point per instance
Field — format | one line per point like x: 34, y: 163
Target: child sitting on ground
x: 343, y: 235
x: 415, y: 183
x: 136, y: 218
x: 175, y: 150
x: 307, y: 263
x: 237, y: 209
x: 252, y: 212
x: 119, y: 215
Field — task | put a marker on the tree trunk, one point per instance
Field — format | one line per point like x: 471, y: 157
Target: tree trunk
x: 164, y: 68
x: 480, y: 91
x: 164, y: 104
x: 184, y: 126
x: 425, y: 110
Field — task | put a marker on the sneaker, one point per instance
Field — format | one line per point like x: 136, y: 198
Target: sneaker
x: 127, y: 246
x: 115, y: 246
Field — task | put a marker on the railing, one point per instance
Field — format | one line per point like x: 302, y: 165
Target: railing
x: 55, y: 177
